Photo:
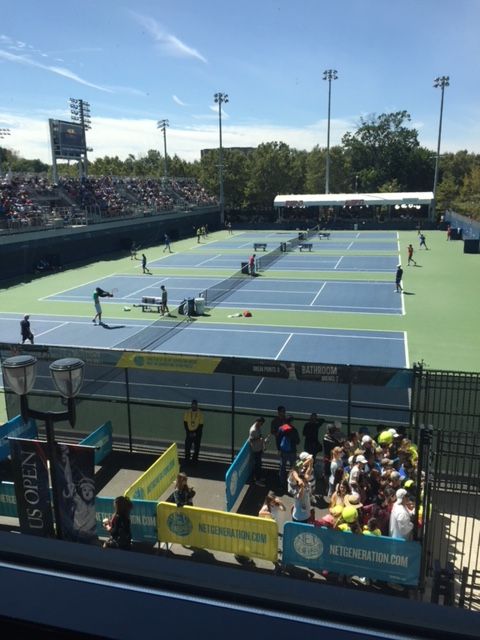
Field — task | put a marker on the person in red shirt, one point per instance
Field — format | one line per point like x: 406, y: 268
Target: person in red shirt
x: 251, y: 264
x: 410, y: 255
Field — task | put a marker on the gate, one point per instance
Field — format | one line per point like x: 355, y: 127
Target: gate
x: 450, y: 403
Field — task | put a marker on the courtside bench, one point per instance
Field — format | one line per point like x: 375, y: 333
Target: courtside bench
x: 305, y: 246
x: 151, y: 304
x: 259, y: 245
x: 324, y: 234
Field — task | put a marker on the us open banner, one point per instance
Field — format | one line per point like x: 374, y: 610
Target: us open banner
x: 30, y: 472
x: 157, y: 478
x: 15, y: 428
x: 102, y: 440
x: 143, y: 518
x: 377, y: 557
x: 218, y: 530
x: 238, y: 474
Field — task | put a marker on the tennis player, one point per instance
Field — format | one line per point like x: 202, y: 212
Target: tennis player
x: 25, y: 329
x: 164, y: 304
x: 97, y: 294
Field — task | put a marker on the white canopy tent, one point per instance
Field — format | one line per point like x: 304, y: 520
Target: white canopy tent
x: 353, y: 199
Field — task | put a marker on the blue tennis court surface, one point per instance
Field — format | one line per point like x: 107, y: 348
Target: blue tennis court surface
x: 288, y: 261
x: 256, y: 293
x: 387, y: 349
x: 324, y: 245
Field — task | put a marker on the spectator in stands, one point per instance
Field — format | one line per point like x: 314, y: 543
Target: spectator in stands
x: 277, y: 422
x: 272, y: 507
x: 193, y: 425
x: 288, y: 439
x: 183, y: 494
x: 401, y: 524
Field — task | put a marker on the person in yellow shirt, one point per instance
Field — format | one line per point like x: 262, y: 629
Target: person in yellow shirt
x: 193, y: 423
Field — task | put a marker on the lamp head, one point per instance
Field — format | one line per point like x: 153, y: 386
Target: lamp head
x: 19, y: 373
x: 67, y: 376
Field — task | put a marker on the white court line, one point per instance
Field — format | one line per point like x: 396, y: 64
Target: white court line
x: 52, y: 295
x: 58, y: 326
x: 219, y: 255
x: 319, y: 292
x: 403, y: 302
x: 284, y: 345
x: 350, y: 245
x: 357, y: 236
x: 258, y: 386
x: 407, y: 360
x: 338, y: 262
x: 152, y: 284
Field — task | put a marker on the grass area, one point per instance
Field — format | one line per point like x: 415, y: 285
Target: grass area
x: 442, y: 300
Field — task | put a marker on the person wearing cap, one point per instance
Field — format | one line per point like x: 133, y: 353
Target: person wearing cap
x: 356, y: 470
x: 368, y: 444
x: 193, y: 425
x: 257, y: 446
x: 25, y: 330
x: 401, y: 524
x: 398, y: 279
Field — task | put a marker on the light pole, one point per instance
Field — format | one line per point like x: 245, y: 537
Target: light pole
x: 442, y: 82
x: 80, y: 112
x: 19, y: 374
x: 221, y: 98
x: 329, y: 74
x: 162, y: 125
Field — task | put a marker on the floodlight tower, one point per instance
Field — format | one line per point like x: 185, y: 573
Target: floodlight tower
x: 80, y: 112
x: 221, y: 98
x: 162, y: 125
x: 440, y: 82
x: 329, y: 74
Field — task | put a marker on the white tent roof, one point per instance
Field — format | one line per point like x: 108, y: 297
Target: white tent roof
x: 352, y: 199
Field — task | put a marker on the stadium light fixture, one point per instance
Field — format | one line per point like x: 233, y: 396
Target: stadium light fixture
x: 80, y: 113
x: 4, y: 132
x: 221, y: 98
x: 329, y: 74
x: 162, y: 125
x: 439, y: 83
x: 19, y: 373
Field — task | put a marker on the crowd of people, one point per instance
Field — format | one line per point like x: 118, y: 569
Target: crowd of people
x: 367, y: 482
x: 33, y: 200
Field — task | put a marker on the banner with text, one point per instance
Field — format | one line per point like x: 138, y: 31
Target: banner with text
x: 8, y: 501
x: 376, y: 557
x: 143, y: 518
x: 218, y: 531
x: 30, y: 474
x: 157, y: 478
x: 238, y: 474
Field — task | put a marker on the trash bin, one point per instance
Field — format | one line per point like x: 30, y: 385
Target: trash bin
x: 355, y: 226
x: 283, y: 247
x: 199, y: 306
x: 190, y: 306
x: 245, y: 268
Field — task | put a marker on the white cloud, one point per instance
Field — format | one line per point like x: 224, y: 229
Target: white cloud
x: 123, y: 136
x: 167, y: 42
x: 177, y: 100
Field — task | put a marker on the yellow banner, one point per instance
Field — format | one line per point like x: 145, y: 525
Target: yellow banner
x: 156, y: 478
x: 218, y: 531
x: 168, y: 362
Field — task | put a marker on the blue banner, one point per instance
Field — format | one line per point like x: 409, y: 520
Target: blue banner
x: 143, y: 518
x: 8, y: 501
x: 238, y: 474
x: 102, y: 440
x: 376, y: 557
x: 15, y: 428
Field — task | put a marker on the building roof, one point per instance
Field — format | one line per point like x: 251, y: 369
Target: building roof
x: 352, y: 199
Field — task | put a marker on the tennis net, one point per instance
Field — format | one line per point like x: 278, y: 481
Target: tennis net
x: 272, y: 256
x: 218, y: 292
x: 155, y: 333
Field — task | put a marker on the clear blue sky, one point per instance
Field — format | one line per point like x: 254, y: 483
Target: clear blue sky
x: 136, y: 63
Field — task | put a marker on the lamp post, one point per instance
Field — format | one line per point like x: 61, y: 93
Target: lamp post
x: 162, y: 125
x: 221, y: 98
x: 329, y: 74
x: 80, y: 112
x: 442, y: 82
x: 19, y: 374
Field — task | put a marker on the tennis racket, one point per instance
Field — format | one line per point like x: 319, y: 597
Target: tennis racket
x: 114, y: 292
